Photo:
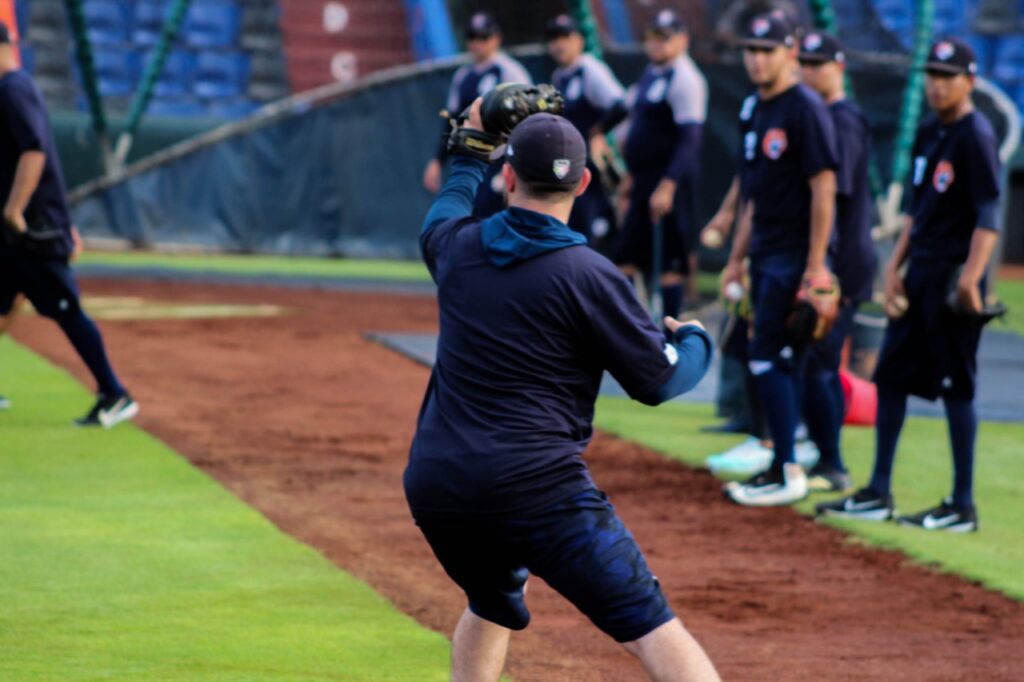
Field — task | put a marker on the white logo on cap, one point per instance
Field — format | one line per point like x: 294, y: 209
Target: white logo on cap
x: 760, y: 27
x: 812, y: 41
x: 665, y: 17
x: 479, y: 21
x: 510, y: 151
x: 945, y: 51
x: 561, y: 168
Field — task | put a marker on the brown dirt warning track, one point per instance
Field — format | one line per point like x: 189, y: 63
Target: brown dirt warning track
x: 308, y: 422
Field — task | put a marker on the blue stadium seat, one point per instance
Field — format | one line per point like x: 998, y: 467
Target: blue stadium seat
x: 230, y: 108
x: 221, y: 74
x: 1008, y: 68
x: 175, y: 79
x: 106, y: 21
x: 175, y: 107
x: 149, y: 21
x: 898, y: 17
x: 117, y: 70
x: 212, y: 23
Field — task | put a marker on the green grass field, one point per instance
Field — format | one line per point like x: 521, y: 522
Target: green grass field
x: 994, y: 556
x: 122, y: 561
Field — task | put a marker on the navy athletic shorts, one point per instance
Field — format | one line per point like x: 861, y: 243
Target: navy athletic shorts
x: 579, y: 547
x: 930, y: 350
x: 634, y: 244
x: 774, y: 282
x: 47, y: 283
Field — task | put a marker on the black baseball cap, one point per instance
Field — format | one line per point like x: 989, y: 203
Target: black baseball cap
x: 5, y: 34
x: 820, y: 47
x: 482, y: 25
x: 546, y: 149
x: 667, y: 23
x: 768, y: 30
x: 951, y: 56
x: 560, y: 26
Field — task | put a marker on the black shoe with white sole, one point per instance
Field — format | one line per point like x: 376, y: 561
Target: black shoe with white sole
x: 108, y: 412
x: 864, y: 504
x: 825, y: 479
x: 944, y: 517
x: 772, y: 488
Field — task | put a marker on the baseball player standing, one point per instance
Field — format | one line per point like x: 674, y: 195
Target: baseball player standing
x: 788, y: 164
x: 595, y: 102
x: 851, y: 254
x: 36, y: 236
x: 530, y: 317
x: 490, y: 67
x: 936, y: 309
x: 667, y: 111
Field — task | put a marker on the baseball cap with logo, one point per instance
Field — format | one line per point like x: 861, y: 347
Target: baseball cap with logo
x: 952, y: 57
x: 820, y: 48
x: 482, y: 25
x: 560, y: 26
x: 546, y: 149
x: 768, y: 30
x: 666, y: 23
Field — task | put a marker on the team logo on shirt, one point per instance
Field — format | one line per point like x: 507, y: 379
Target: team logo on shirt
x: 774, y: 143
x: 943, y: 176
x: 656, y: 92
x: 574, y: 89
x: 561, y: 168
x: 944, y: 50
x: 760, y: 26
x: 487, y: 83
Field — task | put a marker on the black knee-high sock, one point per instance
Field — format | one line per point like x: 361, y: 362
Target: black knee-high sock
x: 672, y: 299
x: 963, y: 429
x: 777, y: 389
x: 84, y: 335
x: 823, y: 414
x: 892, y: 411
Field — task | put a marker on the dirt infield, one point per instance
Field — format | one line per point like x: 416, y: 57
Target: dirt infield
x: 308, y: 422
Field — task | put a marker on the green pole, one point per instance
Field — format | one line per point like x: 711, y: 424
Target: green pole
x: 145, y: 92
x: 583, y: 14
x: 87, y: 67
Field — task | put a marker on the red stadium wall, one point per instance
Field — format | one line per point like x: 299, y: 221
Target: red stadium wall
x: 340, y: 40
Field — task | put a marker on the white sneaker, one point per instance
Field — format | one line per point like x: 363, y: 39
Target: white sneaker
x: 806, y: 453
x: 771, y: 489
x: 745, y: 459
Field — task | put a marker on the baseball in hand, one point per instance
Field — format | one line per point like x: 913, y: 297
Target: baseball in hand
x: 711, y: 238
x: 734, y: 291
x: 897, y: 307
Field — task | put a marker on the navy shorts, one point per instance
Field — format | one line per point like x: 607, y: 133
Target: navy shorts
x: 634, y: 244
x: 774, y: 282
x: 930, y: 350
x: 48, y: 284
x: 827, y: 354
x: 579, y: 547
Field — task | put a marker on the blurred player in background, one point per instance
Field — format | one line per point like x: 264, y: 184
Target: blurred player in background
x: 37, y: 239
x: 490, y: 67
x: 851, y: 255
x: 936, y: 309
x: 594, y: 103
x: 666, y: 123
x: 789, y: 162
x: 530, y: 318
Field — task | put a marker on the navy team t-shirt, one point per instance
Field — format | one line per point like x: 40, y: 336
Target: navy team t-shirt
x: 785, y: 141
x: 520, y: 357
x: 24, y: 127
x: 955, y: 181
x: 852, y: 252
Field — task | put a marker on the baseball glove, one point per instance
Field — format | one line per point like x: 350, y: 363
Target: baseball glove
x: 816, y: 310
x: 502, y: 109
x: 991, y: 309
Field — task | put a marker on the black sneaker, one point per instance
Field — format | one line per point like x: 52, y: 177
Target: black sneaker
x: 5, y: 404
x: 944, y: 517
x: 864, y: 504
x: 825, y: 479
x: 770, y: 488
x: 108, y: 412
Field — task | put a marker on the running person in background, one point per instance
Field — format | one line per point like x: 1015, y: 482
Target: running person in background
x: 788, y: 176
x: 851, y: 254
x: 490, y: 67
x: 36, y: 237
x: 530, y: 318
x: 931, y: 345
x: 666, y: 123
x: 595, y: 103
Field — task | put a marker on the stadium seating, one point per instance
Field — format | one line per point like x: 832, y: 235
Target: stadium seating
x: 107, y: 22
x: 1008, y: 66
x: 117, y: 70
x: 220, y: 75
x: 212, y: 23
x: 148, y: 21
x: 176, y: 77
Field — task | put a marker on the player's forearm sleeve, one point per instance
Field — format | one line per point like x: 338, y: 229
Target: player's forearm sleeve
x: 695, y: 349
x: 615, y: 115
x: 456, y: 197
x: 687, y: 149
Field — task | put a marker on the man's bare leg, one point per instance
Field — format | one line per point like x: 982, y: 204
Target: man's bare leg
x: 7, y: 320
x: 671, y: 654
x: 479, y: 648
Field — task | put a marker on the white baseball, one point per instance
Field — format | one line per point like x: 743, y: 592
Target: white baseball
x: 734, y: 291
